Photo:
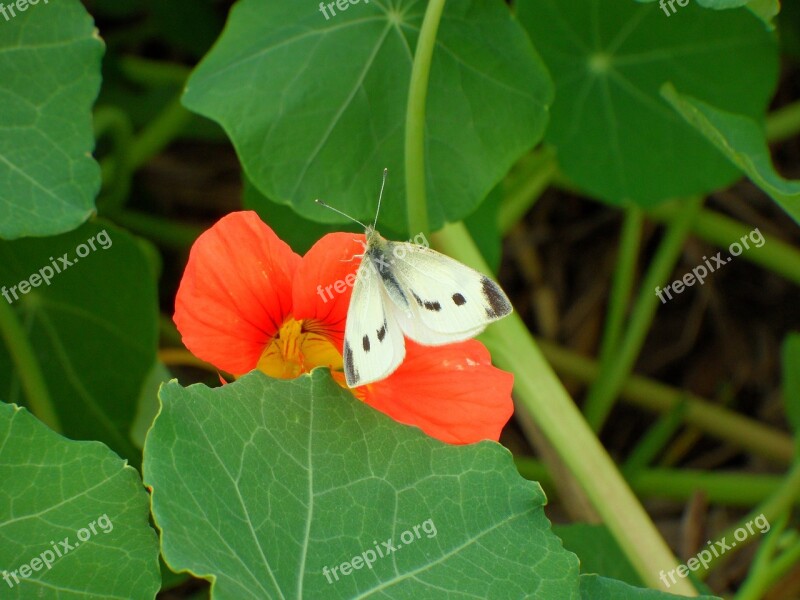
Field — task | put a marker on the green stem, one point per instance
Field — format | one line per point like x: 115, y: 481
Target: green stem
x: 27, y: 368
x: 166, y: 232
x: 115, y: 168
x: 759, y: 576
x: 772, y: 508
x: 613, y: 373
x: 783, y: 123
x: 159, y: 133
x: 540, y: 394
x: 772, y: 573
x: 536, y: 171
x: 734, y: 489
x: 622, y: 286
x: 654, y: 440
x: 150, y: 73
x: 415, y: 120
x: 717, y: 229
x: 714, y: 420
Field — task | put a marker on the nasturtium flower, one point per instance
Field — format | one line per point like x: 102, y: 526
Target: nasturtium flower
x: 247, y: 301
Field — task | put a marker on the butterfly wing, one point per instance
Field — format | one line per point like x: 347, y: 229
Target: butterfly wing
x: 373, y: 342
x: 448, y: 301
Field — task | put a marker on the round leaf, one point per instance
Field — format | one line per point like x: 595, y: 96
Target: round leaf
x: 616, y: 137
x: 316, y: 107
x: 268, y: 487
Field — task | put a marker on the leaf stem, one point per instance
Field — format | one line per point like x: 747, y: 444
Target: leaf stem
x: 654, y: 396
x: 734, y: 489
x: 166, y: 232
x: 415, y: 120
x: 523, y: 188
x: 772, y: 508
x: 622, y: 286
x: 27, y: 368
x: 720, y: 230
x: 618, y: 367
x: 159, y: 133
x: 541, y: 395
x: 115, y: 170
x: 783, y: 123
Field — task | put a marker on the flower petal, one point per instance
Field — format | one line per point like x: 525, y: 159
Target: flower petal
x: 236, y: 292
x: 324, y: 283
x: 452, y: 392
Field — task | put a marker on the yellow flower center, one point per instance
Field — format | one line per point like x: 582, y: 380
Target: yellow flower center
x: 296, y: 349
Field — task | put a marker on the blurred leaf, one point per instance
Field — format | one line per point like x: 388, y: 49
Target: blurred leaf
x: 316, y: 108
x: 50, y: 59
x: 262, y: 484
x: 190, y: 25
x: 742, y: 141
x: 116, y: 8
x: 790, y: 365
x: 79, y: 492
x: 598, y: 551
x: 616, y: 137
x: 594, y: 587
x: 789, y: 25
x: 93, y: 328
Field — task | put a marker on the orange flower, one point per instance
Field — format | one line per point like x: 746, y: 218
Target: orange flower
x: 248, y: 301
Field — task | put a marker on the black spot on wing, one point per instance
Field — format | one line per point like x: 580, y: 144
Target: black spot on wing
x: 382, y: 331
x: 498, y: 305
x: 365, y: 343
x: 349, y: 367
x: 459, y: 300
x: 428, y: 304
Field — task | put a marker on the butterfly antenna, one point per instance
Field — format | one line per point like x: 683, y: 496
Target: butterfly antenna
x: 380, y: 196
x: 336, y: 210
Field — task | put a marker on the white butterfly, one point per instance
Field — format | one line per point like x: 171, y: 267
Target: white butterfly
x: 404, y: 288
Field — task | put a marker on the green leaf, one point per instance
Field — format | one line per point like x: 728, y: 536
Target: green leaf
x: 616, y: 137
x: 598, y: 551
x: 594, y: 587
x: 263, y: 486
x: 316, y: 108
x: 93, y: 328
x: 50, y: 59
x: 790, y: 365
x: 742, y: 141
x: 79, y: 492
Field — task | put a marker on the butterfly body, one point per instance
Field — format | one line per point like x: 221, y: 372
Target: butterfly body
x: 406, y: 289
